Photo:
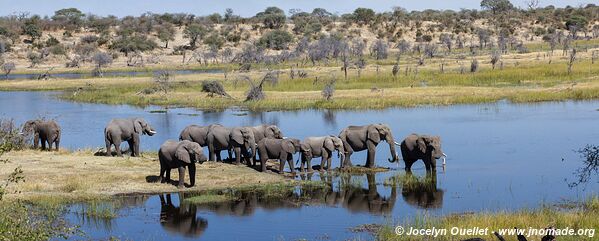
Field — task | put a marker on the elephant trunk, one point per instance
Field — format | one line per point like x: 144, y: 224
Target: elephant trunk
x: 192, y: 174
x: 394, y: 156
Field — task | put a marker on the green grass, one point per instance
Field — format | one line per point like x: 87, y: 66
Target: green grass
x: 582, y: 215
x: 27, y: 222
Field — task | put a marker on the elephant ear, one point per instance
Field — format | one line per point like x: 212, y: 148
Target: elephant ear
x: 182, y: 154
x: 238, y: 137
x: 328, y: 144
x: 288, y: 146
x: 305, y: 147
x: 137, y: 126
x: 421, y: 144
x: 373, y: 134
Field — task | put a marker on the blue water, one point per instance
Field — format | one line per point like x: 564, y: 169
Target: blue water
x: 501, y: 156
x: 107, y: 74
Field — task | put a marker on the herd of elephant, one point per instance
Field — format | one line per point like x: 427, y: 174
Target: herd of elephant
x: 251, y: 144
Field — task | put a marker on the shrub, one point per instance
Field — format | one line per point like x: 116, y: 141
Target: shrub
x: 276, y: 39
x: 213, y: 87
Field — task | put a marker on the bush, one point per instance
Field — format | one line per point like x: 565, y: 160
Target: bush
x: 276, y: 39
x: 213, y: 87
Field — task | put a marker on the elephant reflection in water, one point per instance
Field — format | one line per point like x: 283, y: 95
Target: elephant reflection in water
x: 353, y: 197
x: 423, y: 193
x: 181, y: 219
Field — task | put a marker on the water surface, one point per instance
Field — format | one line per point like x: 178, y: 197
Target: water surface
x: 501, y: 156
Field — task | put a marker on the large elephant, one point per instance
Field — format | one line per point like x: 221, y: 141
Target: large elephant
x: 282, y: 149
x: 265, y: 131
x: 180, y: 154
x: 181, y: 219
x: 243, y: 143
x: 218, y: 139
x: 322, y: 146
x: 129, y: 130
x: 44, y: 132
x: 195, y: 133
x: 359, y: 138
x: 424, y: 147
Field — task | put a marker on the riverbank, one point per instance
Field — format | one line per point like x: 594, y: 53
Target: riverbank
x: 82, y: 176
x: 373, y: 88
x: 573, y: 215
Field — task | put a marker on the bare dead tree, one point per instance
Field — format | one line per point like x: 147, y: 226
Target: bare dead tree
x: 571, y: 60
x: 495, y: 58
x: 213, y: 87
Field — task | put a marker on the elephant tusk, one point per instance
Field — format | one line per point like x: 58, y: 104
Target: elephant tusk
x: 152, y: 132
x: 397, y: 143
x: 443, y: 161
x: 445, y: 155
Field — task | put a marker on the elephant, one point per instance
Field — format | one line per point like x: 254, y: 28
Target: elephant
x: 44, y: 132
x: 119, y: 130
x: 322, y: 146
x: 243, y: 142
x: 182, y: 219
x: 180, y: 154
x: 282, y: 149
x: 195, y: 133
x: 359, y: 138
x: 217, y: 140
x: 265, y: 131
x: 427, y: 148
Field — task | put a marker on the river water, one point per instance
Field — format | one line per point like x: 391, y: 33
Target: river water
x: 502, y: 156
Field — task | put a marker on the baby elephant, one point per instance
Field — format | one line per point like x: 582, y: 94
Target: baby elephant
x: 282, y: 149
x: 322, y: 146
x: 44, y: 132
x: 180, y: 154
x: 427, y: 148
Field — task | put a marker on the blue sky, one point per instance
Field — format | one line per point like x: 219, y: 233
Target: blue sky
x: 242, y: 7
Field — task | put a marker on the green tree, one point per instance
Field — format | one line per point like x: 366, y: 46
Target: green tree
x: 272, y: 17
x: 276, y: 39
x: 165, y: 32
x: 72, y: 17
x: 496, y: 6
x: 194, y: 32
x: 363, y: 15
x: 133, y: 43
x: 215, y: 41
x: 32, y: 28
x: 576, y: 23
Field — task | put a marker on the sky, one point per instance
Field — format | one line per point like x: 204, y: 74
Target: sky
x: 245, y: 8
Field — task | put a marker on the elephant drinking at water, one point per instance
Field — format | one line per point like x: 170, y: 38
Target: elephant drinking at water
x: 427, y: 148
x: 129, y: 130
x: 322, y: 146
x: 359, y: 138
x: 44, y: 132
x: 180, y: 154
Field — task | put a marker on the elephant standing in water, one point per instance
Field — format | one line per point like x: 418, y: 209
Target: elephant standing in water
x: 182, y: 219
x: 359, y: 138
x: 427, y: 148
x: 282, y: 149
x: 119, y: 130
x: 180, y: 154
x: 44, y: 132
x: 322, y: 146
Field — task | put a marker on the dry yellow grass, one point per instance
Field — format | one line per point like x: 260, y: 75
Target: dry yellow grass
x: 81, y: 174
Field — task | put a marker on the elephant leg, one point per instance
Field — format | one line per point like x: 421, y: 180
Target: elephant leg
x: 135, y: 146
x: 427, y: 164
x: 50, y: 141
x: 36, y: 139
x: 108, y: 146
x: 309, y: 164
x: 57, y: 143
x: 229, y: 151
x: 408, y: 161
x: 433, y: 164
x: 237, y: 155
x: 117, y: 148
x: 329, y: 162
x: 44, y: 143
x: 326, y: 161
x: 371, y: 154
x: 181, y: 177
x: 303, y: 157
x: 131, y: 147
x: 282, y: 160
x: 211, y: 152
x: 168, y: 174
x: 162, y: 172
x: 290, y: 161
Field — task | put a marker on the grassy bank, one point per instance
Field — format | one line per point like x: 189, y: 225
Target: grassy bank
x: 584, y: 215
x: 373, y: 88
x: 52, y: 177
